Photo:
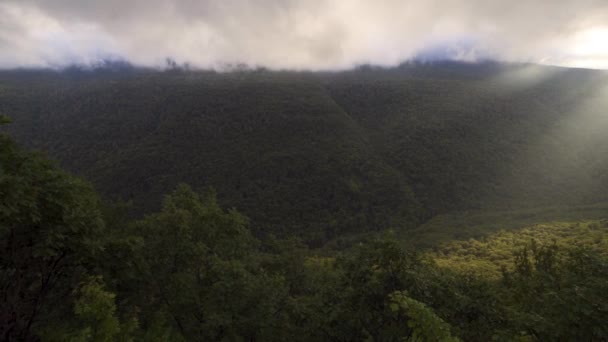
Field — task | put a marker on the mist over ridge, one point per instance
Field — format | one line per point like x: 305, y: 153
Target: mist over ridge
x: 296, y: 34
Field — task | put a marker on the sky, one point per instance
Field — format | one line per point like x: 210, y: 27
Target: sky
x: 302, y: 34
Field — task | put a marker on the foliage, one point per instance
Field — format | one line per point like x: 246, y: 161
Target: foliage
x: 489, y: 255
x: 94, y: 317
x: 51, y: 231
x: 425, y: 324
x: 196, y: 266
x: 559, y: 295
x: 322, y: 155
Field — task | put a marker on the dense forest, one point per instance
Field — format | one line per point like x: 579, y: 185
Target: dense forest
x: 323, y: 154
x: 76, y: 269
x: 440, y: 202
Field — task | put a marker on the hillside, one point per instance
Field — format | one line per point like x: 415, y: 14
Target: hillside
x: 512, y: 245
x: 320, y: 154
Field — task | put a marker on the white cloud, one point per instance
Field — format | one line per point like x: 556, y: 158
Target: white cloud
x: 311, y: 34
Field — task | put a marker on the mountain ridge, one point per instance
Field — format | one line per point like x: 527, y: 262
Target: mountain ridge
x: 320, y: 154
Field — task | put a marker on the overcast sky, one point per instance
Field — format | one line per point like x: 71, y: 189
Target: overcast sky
x: 302, y: 34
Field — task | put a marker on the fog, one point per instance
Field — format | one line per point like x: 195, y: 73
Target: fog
x: 301, y: 34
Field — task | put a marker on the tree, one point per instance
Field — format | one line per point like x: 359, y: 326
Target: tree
x: 425, y: 325
x: 94, y: 317
x: 559, y: 293
x: 200, y: 269
x: 50, y: 231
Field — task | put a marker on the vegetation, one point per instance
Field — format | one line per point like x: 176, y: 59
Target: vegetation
x: 493, y: 254
x: 326, y: 154
x: 442, y: 202
x: 79, y: 270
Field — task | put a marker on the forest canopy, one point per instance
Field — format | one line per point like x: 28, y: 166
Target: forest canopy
x: 321, y: 155
x: 77, y: 268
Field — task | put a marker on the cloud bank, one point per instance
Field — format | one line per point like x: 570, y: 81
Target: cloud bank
x: 301, y: 34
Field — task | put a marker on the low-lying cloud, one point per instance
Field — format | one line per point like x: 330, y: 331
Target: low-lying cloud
x: 301, y: 34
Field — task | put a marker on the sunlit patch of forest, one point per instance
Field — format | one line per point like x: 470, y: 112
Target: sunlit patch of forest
x: 491, y: 255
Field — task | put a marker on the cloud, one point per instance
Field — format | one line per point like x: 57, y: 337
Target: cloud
x: 301, y: 34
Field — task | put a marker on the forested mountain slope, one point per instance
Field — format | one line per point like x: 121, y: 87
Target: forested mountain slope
x: 326, y: 153
x: 74, y: 269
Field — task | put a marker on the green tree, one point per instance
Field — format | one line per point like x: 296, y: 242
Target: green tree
x: 95, y: 318
x: 358, y: 304
x: 50, y: 232
x: 559, y: 294
x: 425, y: 325
x: 199, y: 268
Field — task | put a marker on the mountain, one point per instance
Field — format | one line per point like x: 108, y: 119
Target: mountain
x: 326, y: 153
